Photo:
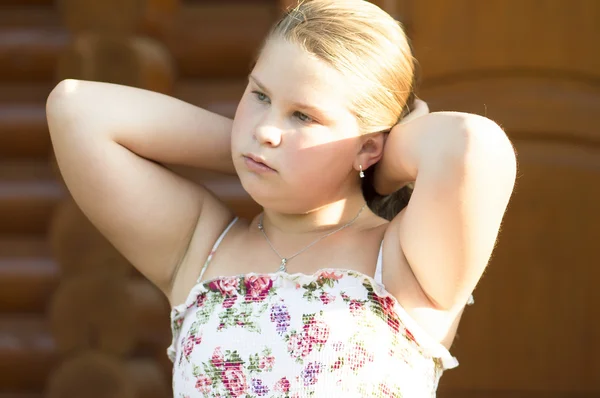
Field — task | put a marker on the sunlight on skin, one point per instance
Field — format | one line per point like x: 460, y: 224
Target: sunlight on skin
x: 70, y: 86
x: 295, y: 114
x: 326, y: 218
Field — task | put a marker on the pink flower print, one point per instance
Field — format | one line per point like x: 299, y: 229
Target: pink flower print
x: 188, y: 347
x: 282, y: 385
x: 227, y: 286
x: 409, y: 335
x: 310, y: 373
x: 217, y: 359
x: 203, y: 384
x: 386, y: 303
x: 229, y: 301
x: 200, y: 300
x: 384, y: 391
x: 359, y: 357
x: 327, y: 298
x: 387, y: 307
x: 394, y: 323
x: 356, y: 307
x: 234, y: 379
x: 189, y: 344
x: 335, y: 275
x: 266, y: 363
x: 317, y: 331
x: 257, y: 287
x: 299, y: 346
x: 337, y: 364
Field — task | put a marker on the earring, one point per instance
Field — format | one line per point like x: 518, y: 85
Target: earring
x: 361, y: 173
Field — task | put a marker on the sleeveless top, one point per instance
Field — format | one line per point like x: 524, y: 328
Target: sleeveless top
x: 334, y: 333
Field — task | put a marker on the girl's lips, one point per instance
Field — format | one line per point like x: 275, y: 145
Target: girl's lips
x: 256, y: 166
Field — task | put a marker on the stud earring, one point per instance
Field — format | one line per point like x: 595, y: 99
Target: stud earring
x: 361, y: 173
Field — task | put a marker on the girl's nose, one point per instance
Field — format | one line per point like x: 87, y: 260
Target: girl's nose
x: 268, y: 135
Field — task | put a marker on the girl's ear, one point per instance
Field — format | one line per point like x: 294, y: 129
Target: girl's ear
x: 371, y: 150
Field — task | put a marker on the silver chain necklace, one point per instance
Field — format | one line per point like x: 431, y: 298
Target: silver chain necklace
x: 284, y: 260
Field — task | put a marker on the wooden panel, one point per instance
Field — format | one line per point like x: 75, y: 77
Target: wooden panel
x: 28, y: 276
x: 106, y: 376
x: 219, y: 41
x: 466, y: 37
x: 118, y: 17
x: 219, y: 96
x: 23, y: 131
x: 129, y: 315
x: 517, y: 394
x: 206, y: 40
x: 28, y: 195
x: 540, y: 335
x: 30, y: 54
x: 29, y: 16
x: 135, y: 61
x: 27, y: 353
x: 28, y: 3
x: 532, y: 323
x: 527, y: 65
x: 544, y: 107
x: 25, y: 92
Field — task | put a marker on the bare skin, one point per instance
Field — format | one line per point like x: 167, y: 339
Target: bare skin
x: 110, y: 142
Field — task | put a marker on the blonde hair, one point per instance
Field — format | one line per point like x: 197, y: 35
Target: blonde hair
x: 366, y: 45
x: 371, y: 50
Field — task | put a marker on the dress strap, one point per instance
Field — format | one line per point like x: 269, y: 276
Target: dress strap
x: 214, y: 249
x: 379, y: 268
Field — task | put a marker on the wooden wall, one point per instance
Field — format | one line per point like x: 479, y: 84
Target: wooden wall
x: 531, y: 65
x: 534, y: 67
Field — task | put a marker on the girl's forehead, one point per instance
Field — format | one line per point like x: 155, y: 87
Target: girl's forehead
x: 288, y: 70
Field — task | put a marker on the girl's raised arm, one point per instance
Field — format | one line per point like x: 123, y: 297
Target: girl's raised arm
x: 110, y: 141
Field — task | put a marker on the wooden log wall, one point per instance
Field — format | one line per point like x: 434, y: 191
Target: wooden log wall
x: 109, y: 325
x: 42, y: 235
x: 28, y: 193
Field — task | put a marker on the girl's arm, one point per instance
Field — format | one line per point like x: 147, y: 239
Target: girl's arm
x: 109, y: 141
x: 464, y: 169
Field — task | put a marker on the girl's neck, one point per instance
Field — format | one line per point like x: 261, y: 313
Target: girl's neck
x: 320, y: 220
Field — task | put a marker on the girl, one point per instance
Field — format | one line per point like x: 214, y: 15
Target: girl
x: 338, y: 288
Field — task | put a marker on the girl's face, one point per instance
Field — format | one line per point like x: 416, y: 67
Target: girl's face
x: 294, y: 117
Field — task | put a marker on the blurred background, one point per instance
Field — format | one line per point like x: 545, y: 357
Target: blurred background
x: 77, y: 321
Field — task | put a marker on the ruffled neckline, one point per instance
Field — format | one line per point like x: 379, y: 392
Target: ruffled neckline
x: 426, y: 342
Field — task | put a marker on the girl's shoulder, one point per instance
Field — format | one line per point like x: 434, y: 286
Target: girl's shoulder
x: 207, y: 233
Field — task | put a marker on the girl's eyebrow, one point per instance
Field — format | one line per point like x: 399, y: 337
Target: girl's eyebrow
x: 320, y: 113
x: 258, y: 83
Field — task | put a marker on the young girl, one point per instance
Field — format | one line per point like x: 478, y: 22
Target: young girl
x: 333, y: 290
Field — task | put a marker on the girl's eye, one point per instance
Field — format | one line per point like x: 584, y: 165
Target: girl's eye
x: 304, y: 118
x: 260, y: 96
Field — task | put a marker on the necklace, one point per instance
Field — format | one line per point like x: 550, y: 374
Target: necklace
x: 284, y: 260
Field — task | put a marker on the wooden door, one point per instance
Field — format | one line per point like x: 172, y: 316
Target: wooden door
x: 534, y: 67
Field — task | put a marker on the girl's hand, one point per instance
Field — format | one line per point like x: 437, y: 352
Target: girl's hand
x: 382, y: 184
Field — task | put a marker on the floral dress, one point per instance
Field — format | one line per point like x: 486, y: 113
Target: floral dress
x: 335, y: 333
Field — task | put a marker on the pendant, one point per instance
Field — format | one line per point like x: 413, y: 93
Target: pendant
x: 282, y: 267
